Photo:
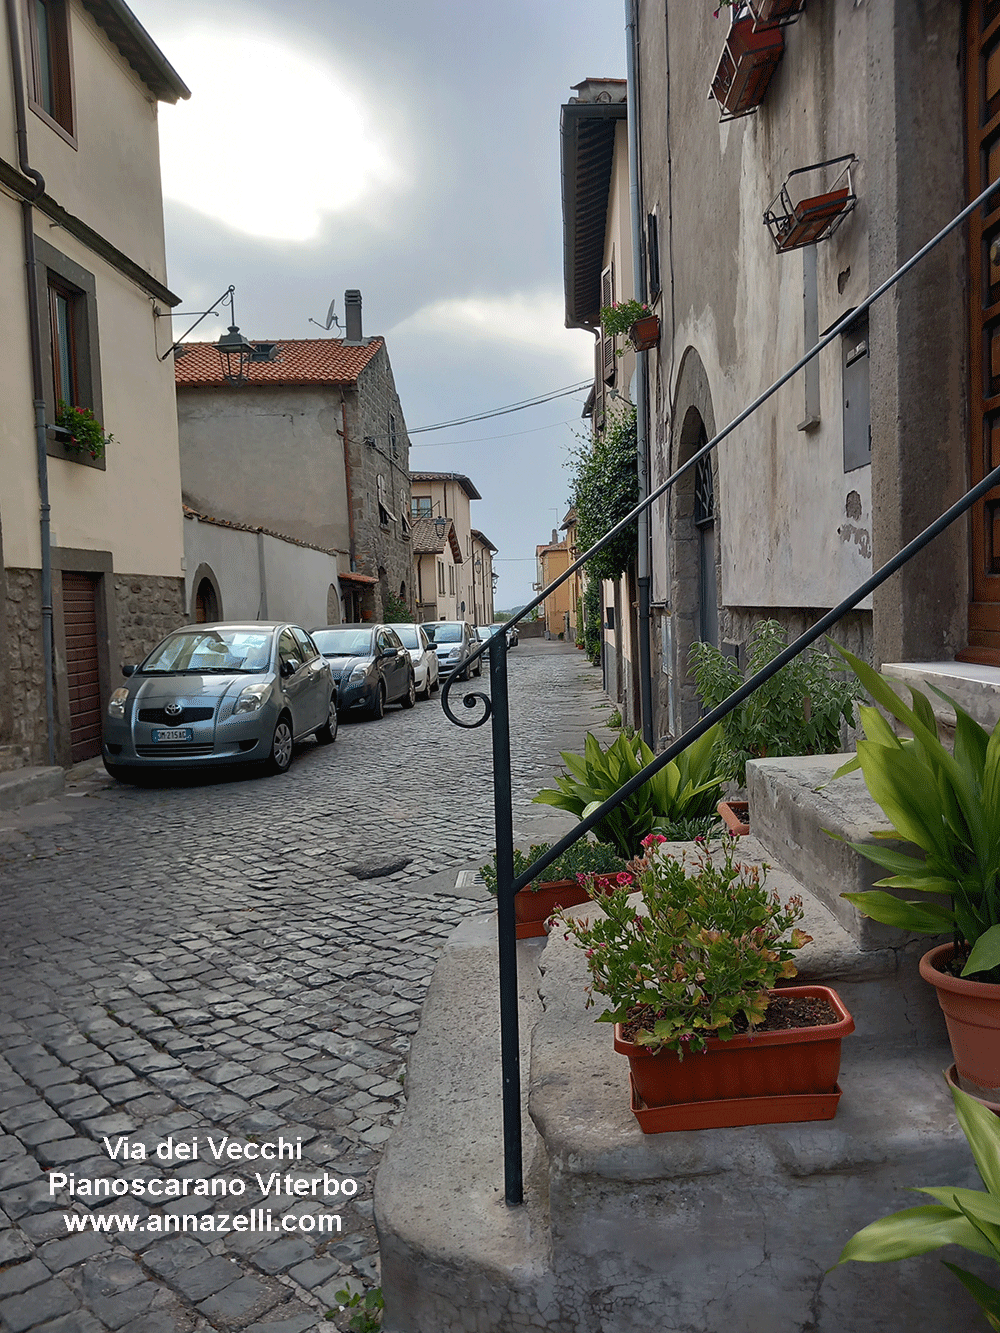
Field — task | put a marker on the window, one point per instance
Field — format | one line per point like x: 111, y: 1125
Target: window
x: 67, y: 309
x: 451, y: 580
x: 404, y: 522
x: 608, y: 344
x: 51, y: 90
x: 392, y: 436
x: 421, y: 506
x: 440, y: 565
x: 385, y: 514
x: 653, y: 253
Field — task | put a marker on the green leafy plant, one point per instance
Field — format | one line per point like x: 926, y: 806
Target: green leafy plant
x: 686, y: 788
x: 592, y: 620
x: 798, y: 711
x: 620, y: 317
x: 368, y: 1309
x: 86, y: 434
x: 946, y: 804
x: 614, y: 719
x: 395, y: 610
x: 705, y: 948
x: 605, y: 488
x: 969, y: 1218
x: 582, y: 858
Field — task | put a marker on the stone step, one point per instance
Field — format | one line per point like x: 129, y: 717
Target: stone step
x: 724, y: 1230
x: 23, y: 786
x: 975, y: 688
x: 795, y: 806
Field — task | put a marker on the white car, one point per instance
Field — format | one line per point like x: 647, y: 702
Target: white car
x: 423, y: 657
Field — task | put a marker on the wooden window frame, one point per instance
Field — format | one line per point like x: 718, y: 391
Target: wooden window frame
x: 440, y: 565
x: 61, y: 115
x: 56, y: 274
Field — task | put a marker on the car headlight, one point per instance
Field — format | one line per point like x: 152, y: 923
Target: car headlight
x: 117, y: 702
x: 359, y: 673
x: 252, y: 698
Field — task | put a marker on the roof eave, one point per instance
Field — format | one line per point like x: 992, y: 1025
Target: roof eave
x: 586, y: 168
x: 139, y: 49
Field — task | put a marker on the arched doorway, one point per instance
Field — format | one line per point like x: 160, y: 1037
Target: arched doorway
x: 207, y: 601
x: 704, y: 522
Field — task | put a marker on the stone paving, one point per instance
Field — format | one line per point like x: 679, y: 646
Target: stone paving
x: 204, y: 1016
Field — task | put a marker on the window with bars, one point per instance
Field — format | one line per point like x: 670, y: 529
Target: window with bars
x: 51, y: 79
x: 704, y: 490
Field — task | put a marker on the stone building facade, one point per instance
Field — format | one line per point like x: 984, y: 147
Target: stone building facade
x: 312, y: 448
x: 78, y: 122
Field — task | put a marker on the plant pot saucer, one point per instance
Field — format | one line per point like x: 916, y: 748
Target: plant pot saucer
x: 953, y: 1081
x: 730, y: 1112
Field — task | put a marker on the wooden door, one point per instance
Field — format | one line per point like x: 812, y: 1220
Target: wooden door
x: 983, y: 144
x: 80, y: 627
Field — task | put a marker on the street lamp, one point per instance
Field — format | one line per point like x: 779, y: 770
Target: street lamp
x: 234, y: 354
x: 440, y: 525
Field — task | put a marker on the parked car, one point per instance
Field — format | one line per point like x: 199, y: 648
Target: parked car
x: 425, y: 662
x: 511, y: 631
x: 453, y: 641
x: 218, y: 694
x: 370, y: 665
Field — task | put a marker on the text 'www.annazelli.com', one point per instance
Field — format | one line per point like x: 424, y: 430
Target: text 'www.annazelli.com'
x: 254, y: 1219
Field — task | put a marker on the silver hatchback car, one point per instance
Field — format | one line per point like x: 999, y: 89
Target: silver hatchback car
x: 211, y: 695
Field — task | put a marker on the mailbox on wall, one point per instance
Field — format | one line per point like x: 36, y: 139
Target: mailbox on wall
x: 857, y: 402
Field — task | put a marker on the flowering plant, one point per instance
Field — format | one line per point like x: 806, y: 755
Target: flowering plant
x: 86, y: 434
x: 620, y: 317
x: 698, y: 956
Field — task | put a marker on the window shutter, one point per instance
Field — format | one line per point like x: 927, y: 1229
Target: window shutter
x: 608, y: 344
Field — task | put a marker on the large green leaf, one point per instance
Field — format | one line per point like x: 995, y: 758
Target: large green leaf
x: 913, y: 1231
x: 921, y: 918
x: 982, y: 1128
x: 985, y: 953
x: 985, y: 1296
x: 974, y: 1203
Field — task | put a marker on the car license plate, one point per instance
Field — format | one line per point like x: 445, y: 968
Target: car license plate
x: 172, y: 734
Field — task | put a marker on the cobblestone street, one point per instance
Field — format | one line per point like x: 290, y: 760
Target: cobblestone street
x: 236, y: 957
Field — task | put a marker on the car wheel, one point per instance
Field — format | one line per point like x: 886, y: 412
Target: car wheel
x: 425, y: 693
x: 377, y: 709
x: 410, y: 697
x: 328, y: 731
x: 437, y: 683
x: 116, y: 771
x: 280, y: 758
x: 479, y: 666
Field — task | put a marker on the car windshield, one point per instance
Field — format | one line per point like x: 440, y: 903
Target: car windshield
x: 444, y: 631
x: 201, y: 651
x: 408, y: 635
x: 344, y: 642
x: 484, y: 632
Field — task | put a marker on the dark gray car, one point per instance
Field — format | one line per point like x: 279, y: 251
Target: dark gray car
x: 218, y: 694
x: 369, y: 664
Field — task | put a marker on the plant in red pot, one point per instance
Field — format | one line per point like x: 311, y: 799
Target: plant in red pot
x: 691, y: 974
x: 569, y: 880
x: 948, y: 806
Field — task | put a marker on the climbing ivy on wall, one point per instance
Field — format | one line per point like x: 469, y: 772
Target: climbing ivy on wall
x: 605, y: 487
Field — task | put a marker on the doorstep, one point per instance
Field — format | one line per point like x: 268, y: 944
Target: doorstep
x: 25, y: 785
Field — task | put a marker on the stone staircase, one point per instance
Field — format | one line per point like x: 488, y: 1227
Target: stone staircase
x: 22, y: 783
x: 719, y: 1230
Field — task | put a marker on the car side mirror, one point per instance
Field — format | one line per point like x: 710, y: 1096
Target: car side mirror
x: 289, y: 666
x: 128, y: 668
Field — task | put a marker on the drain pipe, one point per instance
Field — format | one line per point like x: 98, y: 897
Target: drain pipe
x: 37, y: 374
x: 641, y: 381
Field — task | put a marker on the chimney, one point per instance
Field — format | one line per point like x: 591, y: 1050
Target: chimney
x: 555, y: 537
x: 352, y: 310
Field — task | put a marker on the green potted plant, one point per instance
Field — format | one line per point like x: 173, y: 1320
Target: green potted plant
x: 581, y: 870
x: 969, y: 1218
x: 85, y: 433
x: 948, y: 806
x: 798, y: 711
x: 690, y: 976
x: 636, y: 320
x: 678, y: 802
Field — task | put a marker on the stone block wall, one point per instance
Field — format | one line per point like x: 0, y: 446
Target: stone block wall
x: 22, y: 668
x: 148, y: 607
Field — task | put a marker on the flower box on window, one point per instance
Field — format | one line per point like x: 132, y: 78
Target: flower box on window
x: 645, y: 333
x: 807, y: 211
x: 767, y: 13
x: 749, y: 58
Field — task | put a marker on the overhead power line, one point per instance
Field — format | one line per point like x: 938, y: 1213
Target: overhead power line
x: 537, y: 401
x: 485, y: 439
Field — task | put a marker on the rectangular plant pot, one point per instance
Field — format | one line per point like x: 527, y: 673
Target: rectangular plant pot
x: 810, y: 220
x: 748, y: 60
x: 747, y: 1071
x: 728, y: 1113
x: 769, y: 12
x: 645, y: 333
x: 533, y: 907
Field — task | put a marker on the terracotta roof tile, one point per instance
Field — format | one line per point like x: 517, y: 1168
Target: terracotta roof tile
x: 300, y: 361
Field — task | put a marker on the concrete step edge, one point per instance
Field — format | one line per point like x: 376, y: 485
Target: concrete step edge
x: 23, y: 786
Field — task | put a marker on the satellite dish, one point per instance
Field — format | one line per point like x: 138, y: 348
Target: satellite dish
x: 331, y: 318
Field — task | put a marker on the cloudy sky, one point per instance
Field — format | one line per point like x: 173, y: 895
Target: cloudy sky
x: 412, y: 151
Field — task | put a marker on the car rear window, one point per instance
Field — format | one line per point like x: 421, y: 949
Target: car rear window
x: 444, y: 631
x: 343, y: 642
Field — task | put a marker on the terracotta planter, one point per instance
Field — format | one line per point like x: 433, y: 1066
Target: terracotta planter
x: 533, y: 907
x: 768, y: 12
x: 972, y: 1012
x: 767, y: 1078
x: 645, y: 333
x: 810, y: 219
x: 748, y: 60
x: 735, y: 816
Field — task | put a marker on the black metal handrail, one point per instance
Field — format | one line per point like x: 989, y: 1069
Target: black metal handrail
x: 497, y: 706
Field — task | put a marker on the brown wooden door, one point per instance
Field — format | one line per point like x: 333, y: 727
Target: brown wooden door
x: 80, y: 627
x: 983, y: 142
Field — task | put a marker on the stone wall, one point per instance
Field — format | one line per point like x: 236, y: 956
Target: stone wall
x: 382, y: 550
x: 149, y: 606
x: 23, y: 662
